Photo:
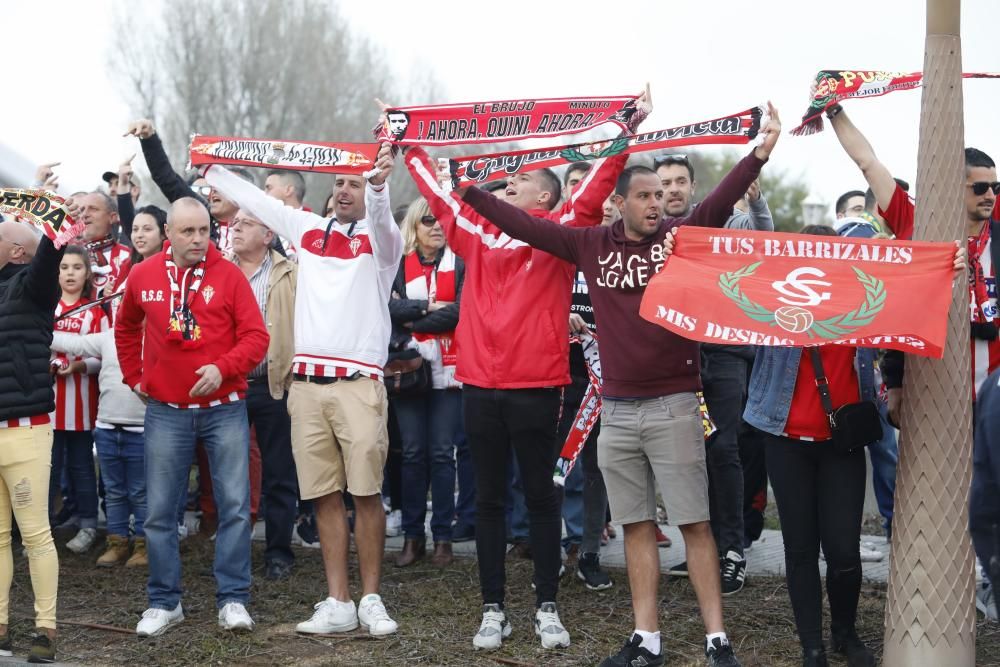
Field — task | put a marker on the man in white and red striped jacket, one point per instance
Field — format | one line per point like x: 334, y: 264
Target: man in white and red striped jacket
x: 188, y: 332
x: 337, y: 400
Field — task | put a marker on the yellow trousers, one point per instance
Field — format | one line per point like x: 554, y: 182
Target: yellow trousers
x: 25, y: 463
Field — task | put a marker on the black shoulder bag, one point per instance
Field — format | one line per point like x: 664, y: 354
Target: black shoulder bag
x: 854, y: 425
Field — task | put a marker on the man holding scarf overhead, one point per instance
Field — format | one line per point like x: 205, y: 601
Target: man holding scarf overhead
x: 513, y: 376
x: 651, y: 424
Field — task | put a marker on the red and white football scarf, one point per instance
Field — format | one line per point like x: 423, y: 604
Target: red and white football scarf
x: 182, y: 325
x: 590, y: 410
x: 737, y: 128
x: 44, y: 210
x: 835, y: 86
x: 91, y: 304
x: 983, y: 311
x: 440, y: 286
x: 316, y: 156
x: 508, y: 120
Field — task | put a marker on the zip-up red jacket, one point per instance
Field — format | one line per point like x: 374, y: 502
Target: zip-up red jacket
x: 233, y: 333
x: 513, y: 329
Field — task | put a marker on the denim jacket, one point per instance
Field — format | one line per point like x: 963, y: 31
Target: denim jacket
x: 772, y: 384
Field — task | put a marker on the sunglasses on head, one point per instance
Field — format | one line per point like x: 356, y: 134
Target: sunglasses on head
x: 979, y: 188
x: 428, y: 221
x: 203, y: 190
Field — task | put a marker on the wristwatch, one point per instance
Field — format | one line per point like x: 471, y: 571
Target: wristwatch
x: 833, y: 111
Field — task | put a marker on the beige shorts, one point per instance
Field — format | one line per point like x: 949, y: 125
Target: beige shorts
x: 654, y: 441
x: 339, y: 436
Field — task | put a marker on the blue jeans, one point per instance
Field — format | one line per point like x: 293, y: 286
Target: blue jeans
x: 76, y: 448
x: 885, y: 454
x: 123, y: 468
x: 427, y: 425
x: 171, y: 435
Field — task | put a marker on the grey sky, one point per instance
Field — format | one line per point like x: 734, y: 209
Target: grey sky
x: 703, y: 59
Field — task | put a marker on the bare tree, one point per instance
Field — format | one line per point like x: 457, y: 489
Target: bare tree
x: 278, y: 69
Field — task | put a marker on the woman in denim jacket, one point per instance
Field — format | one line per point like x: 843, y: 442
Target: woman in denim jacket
x: 820, y: 492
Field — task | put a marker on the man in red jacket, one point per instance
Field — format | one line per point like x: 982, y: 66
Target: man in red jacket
x: 651, y: 429
x: 188, y: 333
x: 513, y: 374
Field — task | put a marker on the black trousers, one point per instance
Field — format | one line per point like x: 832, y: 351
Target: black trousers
x: 820, y: 495
x: 724, y: 376
x: 523, y: 420
x: 279, y: 486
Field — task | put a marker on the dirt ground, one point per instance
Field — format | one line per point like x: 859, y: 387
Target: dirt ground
x: 438, y: 613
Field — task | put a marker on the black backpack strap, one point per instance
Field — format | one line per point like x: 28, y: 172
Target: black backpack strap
x: 823, y: 385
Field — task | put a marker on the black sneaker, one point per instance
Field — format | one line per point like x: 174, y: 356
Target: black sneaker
x: 306, y: 532
x: 589, y: 571
x: 720, y: 654
x: 679, y: 570
x: 43, y: 650
x: 734, y: 573
x: 6, y: 648
x: 850, y: 646
x: 633, y: 655
x: 277, y: 569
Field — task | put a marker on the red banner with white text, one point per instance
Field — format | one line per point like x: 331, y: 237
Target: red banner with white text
x: 764, y: 288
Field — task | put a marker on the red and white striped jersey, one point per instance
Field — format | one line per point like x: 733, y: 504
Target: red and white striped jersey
x: 108, y: 278
x: 986, y: 353
x: 76, y: 394
x: 37, y: 420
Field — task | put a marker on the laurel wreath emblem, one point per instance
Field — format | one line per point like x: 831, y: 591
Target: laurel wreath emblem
x: 831, y: 327
x: 616, y: 147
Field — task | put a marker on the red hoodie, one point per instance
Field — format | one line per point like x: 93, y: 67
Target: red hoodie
x: 513, y: 331
x: 233, y: 333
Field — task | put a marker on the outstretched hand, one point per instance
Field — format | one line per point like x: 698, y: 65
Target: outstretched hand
x: 45, y: 178
x: 769, y: 133
x: 142, y: 128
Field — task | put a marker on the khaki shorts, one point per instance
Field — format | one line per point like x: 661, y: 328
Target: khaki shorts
x: 339, y: 436
x: 650, y: 441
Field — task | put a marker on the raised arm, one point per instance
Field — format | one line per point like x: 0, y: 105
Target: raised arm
x: 541, y: 233
x: 460, y: 223
x: 384, y: 235
x: 283, y: 220
x: 858, y: 148
x: 585, y: 207
x: 42, y: 281
x: 760, y: 212
x: 171, y: 184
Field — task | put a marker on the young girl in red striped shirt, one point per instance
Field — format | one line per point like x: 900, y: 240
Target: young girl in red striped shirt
x: 76, y: 399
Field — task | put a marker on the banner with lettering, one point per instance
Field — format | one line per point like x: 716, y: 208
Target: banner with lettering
x: 835, y: 86
x: 508, y: 120
x: 738, y: 128
x: 313, y: 156
x: 42, y: 209
x: 765, y: 288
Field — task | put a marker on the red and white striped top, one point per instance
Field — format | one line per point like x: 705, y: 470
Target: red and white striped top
x: 76, y: 394
x: 231, y: 397
x: 37, y: 420
x: 329, y: 367
x: 985, y: 353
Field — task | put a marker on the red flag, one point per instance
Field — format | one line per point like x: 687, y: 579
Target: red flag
x: 756, y: 288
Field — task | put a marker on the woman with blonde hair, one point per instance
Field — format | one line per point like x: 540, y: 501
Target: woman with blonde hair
x: 424, y: 310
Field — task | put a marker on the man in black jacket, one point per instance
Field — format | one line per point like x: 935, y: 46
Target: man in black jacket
x: 29, y: 293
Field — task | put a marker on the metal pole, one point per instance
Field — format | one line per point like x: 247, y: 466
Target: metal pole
x: 930, y: 615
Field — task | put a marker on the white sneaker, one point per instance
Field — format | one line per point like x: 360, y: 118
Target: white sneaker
x: 331, y: 616
x: 986, y: 602
x: 156, y: 621
x: 493, y: 630
x: 182, y: 532
x: 869, y: 554
x: 234, y: 616
x: 259, y: 533
x: 394, y: 523
x: 549, y: 627
x: 83, y: 541
x: 374, y: 618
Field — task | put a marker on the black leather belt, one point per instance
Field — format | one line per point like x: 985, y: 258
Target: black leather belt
x: 315, y: 379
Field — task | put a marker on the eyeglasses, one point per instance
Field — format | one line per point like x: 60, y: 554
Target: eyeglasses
x: 203, y: 190
x: 979, y: 188
x: 243, y: 222
x: 673, y: 158
x: 428, y: 221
